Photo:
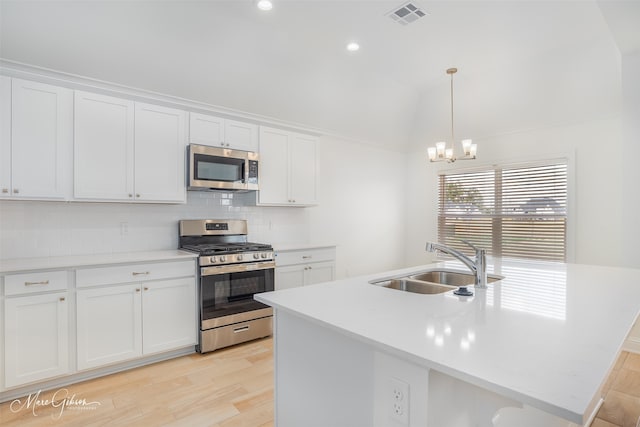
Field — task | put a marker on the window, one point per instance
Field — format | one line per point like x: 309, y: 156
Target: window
x: 512, y: 211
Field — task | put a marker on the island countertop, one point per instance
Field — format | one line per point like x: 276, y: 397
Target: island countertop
x: 547, y: 335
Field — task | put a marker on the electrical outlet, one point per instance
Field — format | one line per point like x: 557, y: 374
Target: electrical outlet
x: 399, y: 401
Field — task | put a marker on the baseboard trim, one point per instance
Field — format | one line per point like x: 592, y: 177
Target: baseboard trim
x: 631, y: 345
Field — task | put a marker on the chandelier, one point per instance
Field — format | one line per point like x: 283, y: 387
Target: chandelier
x: 440, y: 153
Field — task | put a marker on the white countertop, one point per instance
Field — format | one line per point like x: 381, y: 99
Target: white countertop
x: 58, y: 262
x: 299, y: 246
x: 547, y: 335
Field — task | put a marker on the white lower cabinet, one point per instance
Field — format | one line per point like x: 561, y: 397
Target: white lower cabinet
x: 302, y: 267
x: 128, y: 320
x: 109, y: 325
x: 36, y: 337
x: 168, y: 315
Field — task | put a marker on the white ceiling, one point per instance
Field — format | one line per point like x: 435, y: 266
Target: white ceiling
x: 291, y: 62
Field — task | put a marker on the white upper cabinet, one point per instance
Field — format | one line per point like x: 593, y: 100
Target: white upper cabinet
x: 5, y: 136
x: 288, y: 168
x: 103, y: 147
x: 240, y: 135
x: 303, y: 169
x: 160, y: 146
x: 126, y: 151
x: 35, y: 139
x: 219, y: 132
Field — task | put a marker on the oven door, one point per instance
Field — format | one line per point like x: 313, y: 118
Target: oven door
x: 220, y: 168
x: 226, y: 293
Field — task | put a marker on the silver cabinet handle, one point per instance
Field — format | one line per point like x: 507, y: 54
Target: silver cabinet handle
x: 130, y: 195
x: 16, y: 191
x: 307, y: 256
x: 138, y: 273
x: 44, y: 282
x: 5, y: 190
x: 62, y: 298
x: 241, y: 329
x: 137, y: 289
x: 137, y: 195
x: 146, y: 288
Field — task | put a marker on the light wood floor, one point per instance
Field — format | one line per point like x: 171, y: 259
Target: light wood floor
x: 622, y: 399
x: 234, y: 387
x: 227, y: 388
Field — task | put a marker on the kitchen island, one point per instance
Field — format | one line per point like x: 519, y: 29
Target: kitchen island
x: 533, y: 349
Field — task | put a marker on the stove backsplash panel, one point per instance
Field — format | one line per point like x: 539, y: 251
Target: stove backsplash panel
x: 35, y: 229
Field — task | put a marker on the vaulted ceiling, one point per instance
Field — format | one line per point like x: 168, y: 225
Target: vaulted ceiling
x: 291, y: 63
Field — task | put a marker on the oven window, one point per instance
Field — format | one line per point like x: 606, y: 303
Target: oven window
x: 232, y: 293
x: 215, y: 168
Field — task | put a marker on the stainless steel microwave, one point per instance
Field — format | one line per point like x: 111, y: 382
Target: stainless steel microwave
x: 213, y: 168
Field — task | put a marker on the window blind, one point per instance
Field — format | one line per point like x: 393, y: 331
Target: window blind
x: 512, y: 211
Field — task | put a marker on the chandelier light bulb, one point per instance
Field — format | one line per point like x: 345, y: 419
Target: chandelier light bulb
x: 432, y: 153
x: 466, y: 146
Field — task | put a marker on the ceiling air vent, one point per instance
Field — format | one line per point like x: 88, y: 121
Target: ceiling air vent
x: 406, y: 13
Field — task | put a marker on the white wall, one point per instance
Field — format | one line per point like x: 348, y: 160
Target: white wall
x: 362, y: 194
x: 358, y: 207
x: 630, y: 153
x: 566, y: 103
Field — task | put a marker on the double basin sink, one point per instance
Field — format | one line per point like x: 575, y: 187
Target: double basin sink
x: 432, y: 281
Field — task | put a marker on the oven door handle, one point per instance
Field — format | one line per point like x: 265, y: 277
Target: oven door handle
x: 236, y: 268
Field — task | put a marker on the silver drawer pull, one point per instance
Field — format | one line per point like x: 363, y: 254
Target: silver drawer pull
x: 62, y: 298
x: 307, y: 257
x: 138, y: 273
x: 242, y: 329
x: 44, y: 282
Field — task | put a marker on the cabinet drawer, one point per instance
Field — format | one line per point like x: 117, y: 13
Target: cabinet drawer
x: 133, y: 273
x: 28, y: 283
x: 305, y: 256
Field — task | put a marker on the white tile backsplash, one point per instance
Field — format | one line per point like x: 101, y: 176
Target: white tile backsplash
x: 29, y: 228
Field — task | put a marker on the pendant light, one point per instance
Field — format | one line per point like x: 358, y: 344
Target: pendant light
x: 440, y: 153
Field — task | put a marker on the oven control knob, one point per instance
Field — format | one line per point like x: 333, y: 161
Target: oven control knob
x: 263, y: 255
x: 223, y: 258
x: 239, y: 257
x: 256, y: 256
x: 212, y: 259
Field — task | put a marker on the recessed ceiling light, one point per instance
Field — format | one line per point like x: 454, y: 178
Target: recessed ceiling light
x: 265, y: 5
x: 353, y: 46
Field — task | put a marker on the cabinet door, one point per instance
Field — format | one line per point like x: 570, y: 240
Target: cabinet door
x: 168, y: 315
x: 289, y: 277
x: 160, y: 147
x: 241, y: 136
x: 41, y: 132
x: 206, y: 130
x: 320, y: 272
x: 36, y: 338
x: 103, y: 147
x: 109, y: 325
x: 5, y: 136
x: 274, y: 167
x: 303, y: 170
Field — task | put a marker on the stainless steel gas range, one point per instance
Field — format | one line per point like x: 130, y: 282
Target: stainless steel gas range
x: 232, y: 270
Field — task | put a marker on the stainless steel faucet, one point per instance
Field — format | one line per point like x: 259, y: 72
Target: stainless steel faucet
x: 479, y: 267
